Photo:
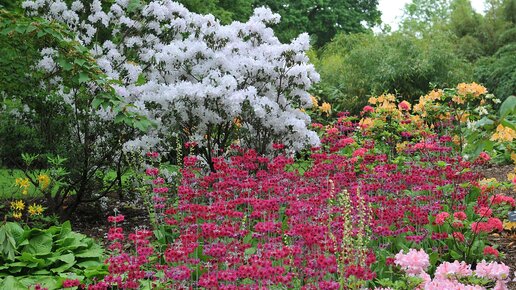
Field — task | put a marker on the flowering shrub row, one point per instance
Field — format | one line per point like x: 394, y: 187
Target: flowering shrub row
x: 258, y: 222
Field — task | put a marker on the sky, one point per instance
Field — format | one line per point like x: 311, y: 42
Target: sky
x: 393, y: 9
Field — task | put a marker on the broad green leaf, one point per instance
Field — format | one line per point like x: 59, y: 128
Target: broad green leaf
x: 508, y: 106
x: 68, y: 258
x: 15, y: 230
x: 40, y: 244
x: 66, y: 228
x: 89, y: 264
x: 95, y: 251
x: 12, y: 283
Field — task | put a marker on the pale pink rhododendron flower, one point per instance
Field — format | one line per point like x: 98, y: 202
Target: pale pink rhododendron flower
x: 440, y: 284
x: 492, y: 270
x: 414, y: 262
x: 453, y: 270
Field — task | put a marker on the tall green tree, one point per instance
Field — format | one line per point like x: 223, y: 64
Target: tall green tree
x: 225, y: 10
x: 322, y: 19
x: 422, y: 16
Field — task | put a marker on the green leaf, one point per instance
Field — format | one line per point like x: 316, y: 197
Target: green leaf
x: 96, y: 103
x: 99, y: 271
x: 12, y: 283
x: 40, y: 244
x: 133, y: 5
x: 94, y: 251
x: 89, y: 264
x: 248, y: 238
x: 67, y: 66
x: 66, y: 228
x: 68, y: 258
x: 62, y: 268
x: 508, y: 123
x: 508, y: 106
x: 83, y: 77
x: 16, y: 231
x: 250, y: 251
x: 455, y: 255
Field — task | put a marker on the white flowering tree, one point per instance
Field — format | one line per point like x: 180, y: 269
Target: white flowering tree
x: 210, y: 83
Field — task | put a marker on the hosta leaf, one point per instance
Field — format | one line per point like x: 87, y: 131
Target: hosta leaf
x: 40, y: 244
x: 68, y: 258
x: 94, y: 252
x: 12, y: 283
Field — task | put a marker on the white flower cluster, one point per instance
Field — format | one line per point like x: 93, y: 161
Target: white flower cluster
x: 187, y: 72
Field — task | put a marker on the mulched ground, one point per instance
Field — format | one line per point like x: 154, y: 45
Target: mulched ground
x: 506, y: 240
x: 92, y: 221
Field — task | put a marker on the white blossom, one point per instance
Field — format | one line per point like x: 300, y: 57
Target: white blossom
x: 195, y: 70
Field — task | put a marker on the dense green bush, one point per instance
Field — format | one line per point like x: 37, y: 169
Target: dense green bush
x: 498, y: 72
x: 353, y: 67
x: 54, y: 111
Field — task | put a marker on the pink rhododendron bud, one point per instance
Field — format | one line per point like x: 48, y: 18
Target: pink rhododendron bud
x: 152, y: 171
x: 152, y: 154
x: 68, y: 283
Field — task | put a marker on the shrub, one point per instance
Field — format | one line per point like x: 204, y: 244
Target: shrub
x: 207, y: 82
x: 354, y: 67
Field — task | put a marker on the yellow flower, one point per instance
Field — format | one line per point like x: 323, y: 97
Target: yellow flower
x: 17, y: 215
x: 508, y: 225
x: 456, y: 140
x: 471, y: 89
x: 365, y: 123
x: 458, y: 100
x: 315, y: 103
x: 420, y: 107
x: 503, y: 134
x: 325, y: 108
x: 44, y: 181
x: 17, y: 205
x: 372, y: 100
x: 390, y: 97
x: 511, y: 175
x: 434, y: 95
x: 513, y: 157
x: 464, y: 117
x: 22, y: 182
x: 35, y: 209
x: 487, y: 181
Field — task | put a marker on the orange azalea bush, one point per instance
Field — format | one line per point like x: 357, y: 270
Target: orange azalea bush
x: 464, y: 113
